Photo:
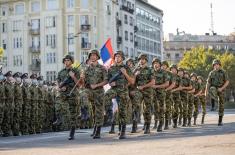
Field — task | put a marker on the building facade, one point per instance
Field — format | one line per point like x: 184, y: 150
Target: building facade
x: 176, y: 45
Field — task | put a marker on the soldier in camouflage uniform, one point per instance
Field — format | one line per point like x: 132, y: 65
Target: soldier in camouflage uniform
x: 161, y: 82
x: 202, y: 97
x: 9, y: 105
x: 67, y: 97
x: 26, y: 106
x: 176, y: 95
x: 218, y: 79
x: 191, y: 92
x: 95, y: 86
x: 2, y: 100
x: 168, y: 101
x: 198, y: 91
x: 18, y: 100
x: 144, y: 80
x: 119, y: 88
x: 34, y: 104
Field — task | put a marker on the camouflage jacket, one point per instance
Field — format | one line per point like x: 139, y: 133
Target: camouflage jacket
x: 9, y: 90
x: 160, y: 76
x: 25, y: 92
x: 33, y: 92
x: 2, y: 91
x: 185, y: 83
x: 40, y: 93
x: 217, y: 78
x: 145, y: 76
x: 18, y: 92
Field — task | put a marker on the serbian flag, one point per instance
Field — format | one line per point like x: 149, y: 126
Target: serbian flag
x: 106, y: 53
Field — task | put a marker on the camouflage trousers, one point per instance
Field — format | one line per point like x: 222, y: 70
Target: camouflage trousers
x: 203, y: 104
x: 49, y: 115
x: 123, y: 95
x: 8, y: 117
x: 221, y: 103
x: 176, y: 103
x: 190, y: 105
x: 159, y: 105
x: 184, y: 99
x: 41, y: 116
x: 33, y: 116
x: 168, y: 102
x: 135, y: 97
x: 147, y: 98
x: 97, y: 99
x: 196, y: 107
x: 73, y: 111
x: 25, y: 117
x: 2, y: 107
x: 17, y: 116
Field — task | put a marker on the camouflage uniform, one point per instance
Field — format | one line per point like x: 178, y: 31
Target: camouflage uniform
x: 2, y: 103
x: 41, y: 109
x: 202, y: 99
x: 196, y: 102
x: 190, y: 103
x: 49, y: 110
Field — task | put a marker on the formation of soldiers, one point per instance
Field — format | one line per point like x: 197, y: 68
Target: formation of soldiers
x: 169, y: 93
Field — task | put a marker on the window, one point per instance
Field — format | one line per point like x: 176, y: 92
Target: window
x: 52, y: 4
x: 51, y: 75
x: 4, y: 11
x: 70, y: 39
x: 51, y: 40
x: 84, y: 20
x: 126, y: 51
x: 17, y: 25
x: 131, y: 21
x: 50, y: 58
x: 17, y: 60
x: 84, y: 56
x: 71, y: 20
x: 35, y: 24
x: 17, y: 42
x: 177, y: 55
x: 4, y: 45
x: 95, y: 4
x: 126, y: 35
x: 36, y: 42
x: 125, y: 19
x: 4, y: 28
x: 70, y: 3
x: 51, y: 21
x: 19, y: 9
x: 84, y: 4
x: 131, y: 37
x: 35, y: 6
x: 94, y: 21
x: 85, y: 40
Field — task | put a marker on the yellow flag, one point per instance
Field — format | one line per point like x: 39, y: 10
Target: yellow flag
x: 1, y: 52
x: 76, y: 64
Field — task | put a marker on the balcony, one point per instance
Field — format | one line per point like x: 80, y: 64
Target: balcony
x: 127, y: 9
x: 85, y: 27
x: 136, y: 43
x: 35, y: 49
x: 35, y: 31
x: 135, y: 29
x: 86, y: 45
x: 35, y: 66
x: 119, y: 40
x: 118, y: 22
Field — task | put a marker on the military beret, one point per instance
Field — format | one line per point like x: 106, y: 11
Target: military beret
x: 16, y: 75
x: 40, y: 78
x: 9, y: 73
x: 33, y: 76
x: 23, y: 76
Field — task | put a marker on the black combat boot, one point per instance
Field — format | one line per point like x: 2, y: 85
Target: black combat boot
x: 94, y: 130
x: 166, y: 124
x: 112, y: 130
x: 194, y: 120
x: 119, y: 129
x: 123, y: 132
x: 159, y: 128
x: 175, y: 123
x: 184, y: 122
x: 220, y: 121
x: 203, y: 117
x: 134, y: 127
x: 144, y: 126
x: 71, y: 134
x: 155, y: 124
x: 97, y: 133
x: 147, y: 129
x: 189, y: 122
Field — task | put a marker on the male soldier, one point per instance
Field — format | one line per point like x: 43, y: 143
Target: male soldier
x: 26, y: 106
x: 2, y: 100
x: 135, y: 97
x: 186, y: 85
x: 218, y: 79
x: 176, y: 95
x: 68, y: 79
x: 34, y: 104
x: 191, y: 92
x: 96, y: 92
x: 144, y: 80
x: 198, y: 91
x: 202, y: 97
x: 119, y: 88
x: 168, y: 100
x: 161, y: 82
x: 18, y: 100
x: 9, y: 105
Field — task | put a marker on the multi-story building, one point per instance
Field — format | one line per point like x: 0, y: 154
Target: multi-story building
x: 176, y: 45
x: 149, y: 30
x: 36, y: 34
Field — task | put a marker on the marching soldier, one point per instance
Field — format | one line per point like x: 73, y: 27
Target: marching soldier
x: 198, y: 91
x: 144, y: 80
x: 161, y: 82
x: 96, y: 92
x: 202, y: 97
x: 2, y: 100
x: 217, y: 82
x: 119, y: 88
x: 18, y: 100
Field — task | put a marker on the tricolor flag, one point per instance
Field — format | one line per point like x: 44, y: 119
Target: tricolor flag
x: 106, y: 53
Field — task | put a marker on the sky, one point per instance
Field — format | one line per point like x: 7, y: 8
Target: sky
x: 194, y: 16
